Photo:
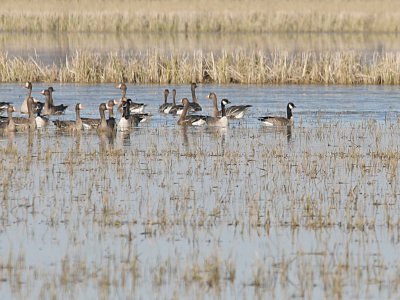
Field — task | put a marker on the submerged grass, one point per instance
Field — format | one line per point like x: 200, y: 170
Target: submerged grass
x: 165, y: 218
x: 247, y: 67
x: 193, y: 16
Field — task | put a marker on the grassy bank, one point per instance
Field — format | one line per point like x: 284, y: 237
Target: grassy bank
x: 205, y: 16
x: 233, y: 67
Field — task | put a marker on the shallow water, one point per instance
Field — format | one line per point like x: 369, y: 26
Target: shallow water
x: 241, y: 212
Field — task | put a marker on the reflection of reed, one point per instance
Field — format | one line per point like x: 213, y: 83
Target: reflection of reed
x: 54, y: 47
x: 184, y: 135
x: 106, y: 141
x: 289, y: 133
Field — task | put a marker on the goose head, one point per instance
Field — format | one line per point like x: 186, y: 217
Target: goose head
x: 225, y: 101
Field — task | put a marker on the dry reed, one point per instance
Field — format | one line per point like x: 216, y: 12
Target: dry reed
x: 193, y: 16
x: 245, y: 67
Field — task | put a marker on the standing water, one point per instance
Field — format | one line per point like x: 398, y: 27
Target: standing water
x: 173, y: 212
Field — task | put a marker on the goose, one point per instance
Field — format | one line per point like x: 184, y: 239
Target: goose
x: 219, y: 121
x: 41, y: 121
x: 4, y: 107
x: 195, y: 120
x: 110, y: 106
x: 165, y: 107
x: 124, y: 123
x: 23, y: 123
x: 38, y: 106
x: 280, y: 121
x: 51, y: 90
x: 105, y: 125
x: 93, y: 123
x: 9, y: 125
x: 177, y: 109
x: 50, y: 109
x: 134, y: 107
x: 195, y: 104
x: 69, y: 124
x: 232, y: 112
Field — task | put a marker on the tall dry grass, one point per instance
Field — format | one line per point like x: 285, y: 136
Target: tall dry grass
x: 234, y: 67
x: 201, y: 16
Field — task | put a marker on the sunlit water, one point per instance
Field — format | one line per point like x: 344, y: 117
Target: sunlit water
x: 148, y: 214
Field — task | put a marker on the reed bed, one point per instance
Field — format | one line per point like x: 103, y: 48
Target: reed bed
x: 245, y: 67
x: 206, y: 16
x: 282, y: 22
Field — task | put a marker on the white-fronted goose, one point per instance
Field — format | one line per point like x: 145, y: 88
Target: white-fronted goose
x: 185, y: 119
x: 51, y: 90
x: 165, y: 107
x: 280, y: 121
x: 37, y: 106
x: 177, y: 109
x: 105, y: 125
x: 232, y: 112
x: 8, y: 125
x: 69, y: 124
x: 93, y: 123
x: 26, y: 123
x: 195, y: 103
x: 134, y: 107
x: 49, y: 109
x: 221, y: 121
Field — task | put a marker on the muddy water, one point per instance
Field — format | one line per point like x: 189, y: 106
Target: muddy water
x: 241, y: 212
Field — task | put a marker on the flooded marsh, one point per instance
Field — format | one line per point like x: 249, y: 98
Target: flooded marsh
x: 182, y: 212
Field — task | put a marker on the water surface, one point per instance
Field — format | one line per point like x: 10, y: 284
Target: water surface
x: 241, y: 212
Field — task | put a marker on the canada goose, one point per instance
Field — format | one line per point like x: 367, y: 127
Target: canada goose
x: 219, y: 121
x: 232, y: 112
x: 69, y: 124
x: 4, y: 106
x: 135, y: 118
x: 8, y: 125
x: 105, y: 125
x: 165, y: 107
x: 41, y: 121
x: 24, y: 106
x: 124, y: 123
x: 195, y: 120
x: 134, y: 107
x: 49, y: 109
x: 280, y: 121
